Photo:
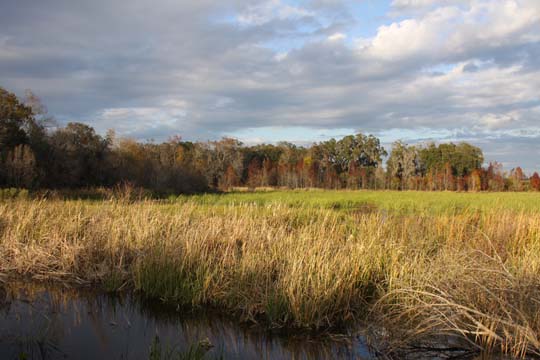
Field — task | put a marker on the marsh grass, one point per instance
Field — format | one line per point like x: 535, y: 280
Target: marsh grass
x: 471, y: 273
x: 410, y: 202
x: 197, y: 351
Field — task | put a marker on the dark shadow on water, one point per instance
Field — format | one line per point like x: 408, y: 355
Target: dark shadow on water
x: 38, y: 322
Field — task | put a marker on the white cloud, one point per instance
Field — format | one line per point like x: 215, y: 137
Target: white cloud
x: 132, y: 121
x: 337, y: 37
x: 496, y: 121
x: 452, y: 32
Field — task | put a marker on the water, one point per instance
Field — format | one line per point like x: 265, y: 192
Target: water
x: 38, y: 322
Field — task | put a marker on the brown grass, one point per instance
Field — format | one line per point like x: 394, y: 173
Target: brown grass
x: 474, y: 275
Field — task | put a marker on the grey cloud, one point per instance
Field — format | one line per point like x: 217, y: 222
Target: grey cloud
x: 470, y: 67
x: 85, y: 58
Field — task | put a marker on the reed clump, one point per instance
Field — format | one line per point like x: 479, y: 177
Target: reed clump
x: 470, y: 274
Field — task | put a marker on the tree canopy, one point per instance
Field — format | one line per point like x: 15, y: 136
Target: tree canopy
x: 73, y: 156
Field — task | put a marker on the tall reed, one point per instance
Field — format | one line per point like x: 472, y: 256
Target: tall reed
x: 469, y: 274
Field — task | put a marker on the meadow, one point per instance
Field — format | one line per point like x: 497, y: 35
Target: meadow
x: 416, y: 265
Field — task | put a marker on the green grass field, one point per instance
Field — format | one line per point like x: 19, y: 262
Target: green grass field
x: 401, y: 201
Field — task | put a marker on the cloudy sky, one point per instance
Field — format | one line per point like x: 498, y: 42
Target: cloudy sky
x: 296, y: 70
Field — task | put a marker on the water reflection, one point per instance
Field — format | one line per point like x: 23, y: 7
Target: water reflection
x: 58, y: 323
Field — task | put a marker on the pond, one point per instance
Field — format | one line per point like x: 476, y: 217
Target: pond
x: 38, y: 322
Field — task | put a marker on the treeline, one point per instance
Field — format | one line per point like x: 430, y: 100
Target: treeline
x: 35, y: 155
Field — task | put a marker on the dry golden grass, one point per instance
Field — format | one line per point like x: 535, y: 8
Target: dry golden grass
x: 471, y: 274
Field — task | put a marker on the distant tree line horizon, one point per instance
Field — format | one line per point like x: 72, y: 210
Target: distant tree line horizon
x: 35, y: 155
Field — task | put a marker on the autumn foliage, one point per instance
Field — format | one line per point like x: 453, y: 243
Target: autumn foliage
x: 35, y: 155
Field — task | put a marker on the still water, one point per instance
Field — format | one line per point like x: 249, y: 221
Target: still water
x: 38, y: 322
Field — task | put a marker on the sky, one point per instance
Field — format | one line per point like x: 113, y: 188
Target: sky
x: 291, y: 70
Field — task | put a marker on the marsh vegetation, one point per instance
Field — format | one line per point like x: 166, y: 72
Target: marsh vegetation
x: 416, y: 267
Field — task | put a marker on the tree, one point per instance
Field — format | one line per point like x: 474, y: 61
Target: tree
x: 475, y: 180
x: 403, y: 164
x: 212, y: 159
x: 269, y: 173
x: 78, y: 156
x: 19, y: 125
x: 463, y: 158
x: 231, y: 178
x: 448, y: 177
x: 254, y: 173
x: 290, y: 156
x: 15, y: 118
x: 516, y: 179
x: 21, y: 167
x: 354, y: 155
x: 495, y: 177
x: 535, y: 182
